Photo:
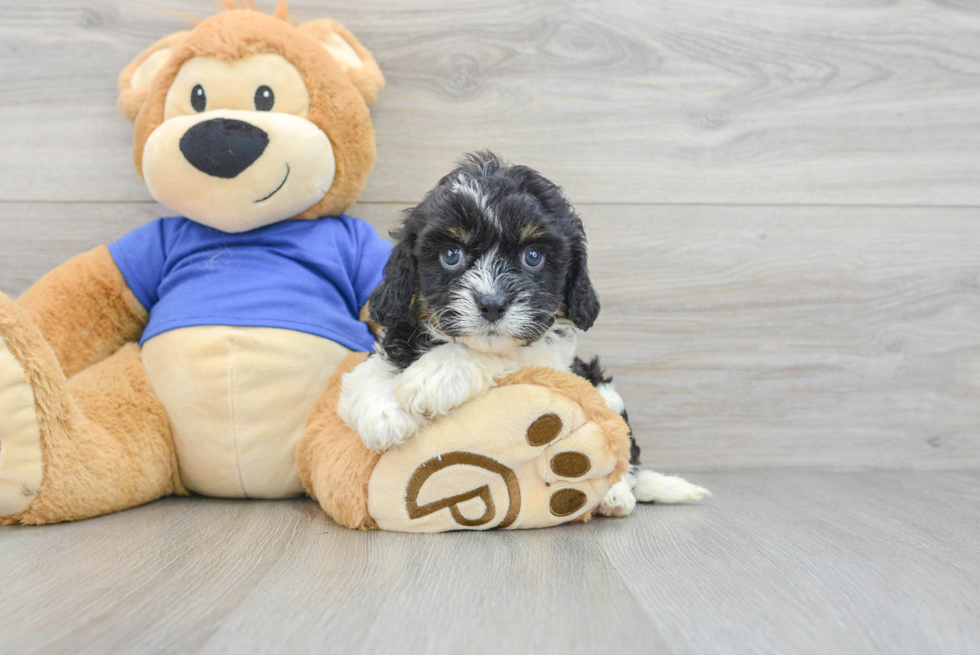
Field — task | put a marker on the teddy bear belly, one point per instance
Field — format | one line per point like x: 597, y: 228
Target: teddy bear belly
x: 238, y: 399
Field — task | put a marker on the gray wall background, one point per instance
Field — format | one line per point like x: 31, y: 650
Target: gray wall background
x: 781, y: 196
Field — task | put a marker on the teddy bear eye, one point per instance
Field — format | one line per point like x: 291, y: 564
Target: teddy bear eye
x: 199, y: 101
x: 264, y: 98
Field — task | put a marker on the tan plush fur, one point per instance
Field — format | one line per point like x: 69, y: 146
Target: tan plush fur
x: 367, y: 78
x: 338, y: 101
x: 131, y: 100
x: 84, y: 310
x: 105, y: 438
x: 336, y: 468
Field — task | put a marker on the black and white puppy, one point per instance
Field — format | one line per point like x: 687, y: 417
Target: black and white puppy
x: 489, y: 274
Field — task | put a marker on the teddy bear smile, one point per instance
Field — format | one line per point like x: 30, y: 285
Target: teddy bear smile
x: 278, y: 187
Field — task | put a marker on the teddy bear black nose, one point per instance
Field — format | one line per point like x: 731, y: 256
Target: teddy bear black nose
x: 222, y: 147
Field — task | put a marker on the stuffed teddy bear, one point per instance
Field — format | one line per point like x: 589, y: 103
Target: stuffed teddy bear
x: 204, y: 353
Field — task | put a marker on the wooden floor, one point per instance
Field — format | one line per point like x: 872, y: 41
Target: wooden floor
x: 783, y: 206
x: 777, y: 562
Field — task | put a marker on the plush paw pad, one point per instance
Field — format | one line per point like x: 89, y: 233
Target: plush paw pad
x: 519, y: 457
x: 566, y: 502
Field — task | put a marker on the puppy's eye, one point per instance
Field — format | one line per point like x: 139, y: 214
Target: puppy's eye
x: 451, y: 258
x: 533, y: 258
x: 264, y: 98
x: 199, y: 101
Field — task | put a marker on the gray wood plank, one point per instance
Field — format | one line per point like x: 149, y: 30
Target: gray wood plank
x: 740, y: 337
x: 203, y: 576
x: 673, y: 101
x: 783, y: 562
x: 810, y: 562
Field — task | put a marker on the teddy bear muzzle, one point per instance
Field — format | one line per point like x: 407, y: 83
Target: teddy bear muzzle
x: 238, y: 170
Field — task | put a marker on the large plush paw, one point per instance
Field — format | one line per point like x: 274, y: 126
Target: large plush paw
x: 521, y: 456
x: 21, y: 460
x: 442, y: 380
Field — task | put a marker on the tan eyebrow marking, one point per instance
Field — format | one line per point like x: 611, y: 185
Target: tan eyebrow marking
x: 530, y: 232
x: 461, y: 234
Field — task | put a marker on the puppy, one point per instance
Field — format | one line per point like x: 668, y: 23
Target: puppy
x: 489, y: 274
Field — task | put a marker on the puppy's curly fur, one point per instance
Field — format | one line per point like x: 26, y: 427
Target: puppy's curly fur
x: 489, y: 274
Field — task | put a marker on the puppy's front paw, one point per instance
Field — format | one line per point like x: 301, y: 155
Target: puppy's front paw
x: 433, y: 391
x: 618, y: 501
x: 368, y: 406
x: 386, y: 425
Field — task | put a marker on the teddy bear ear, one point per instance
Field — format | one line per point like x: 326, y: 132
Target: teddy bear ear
x: 356, y: 60
x: 136, y: 78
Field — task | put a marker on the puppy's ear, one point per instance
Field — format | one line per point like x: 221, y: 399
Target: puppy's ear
x: 581, y: 300
x: 136, y: 78
x: 392, y: 299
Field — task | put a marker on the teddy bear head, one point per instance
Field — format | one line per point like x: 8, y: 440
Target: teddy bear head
x: 248, y: 120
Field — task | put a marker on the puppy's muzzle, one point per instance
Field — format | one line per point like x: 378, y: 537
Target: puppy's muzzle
x: 223, y: 147
x: 492, y: 307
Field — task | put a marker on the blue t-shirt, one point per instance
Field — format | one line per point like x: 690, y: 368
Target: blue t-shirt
x: 308, y: 276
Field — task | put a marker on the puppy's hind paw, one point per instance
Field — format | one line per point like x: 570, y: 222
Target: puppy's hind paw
x: 618, y: 501
x: 652, y: 487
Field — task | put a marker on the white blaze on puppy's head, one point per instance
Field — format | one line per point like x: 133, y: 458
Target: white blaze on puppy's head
x: 491, y: 257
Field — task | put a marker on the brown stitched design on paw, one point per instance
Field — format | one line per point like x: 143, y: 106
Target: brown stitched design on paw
x: 544, y: 430
x: 426, y: 470
x: 570, y: 464
x: 567, y: 501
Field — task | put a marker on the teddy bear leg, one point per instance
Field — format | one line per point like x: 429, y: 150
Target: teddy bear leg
x: 541, y: 449
x: 524, y: 455
x: 333, y: 463
x: 75, y: 449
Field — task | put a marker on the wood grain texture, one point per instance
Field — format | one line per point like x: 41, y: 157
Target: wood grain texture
x: 740, y: 337
x: 755, y: 326
x: 775, y: 562
x: 675, y: 101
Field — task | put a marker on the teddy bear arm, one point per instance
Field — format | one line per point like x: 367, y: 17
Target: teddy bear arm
x: 85, y: 310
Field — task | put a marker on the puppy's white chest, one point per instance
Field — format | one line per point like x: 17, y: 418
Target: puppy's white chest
x: 556, y: 349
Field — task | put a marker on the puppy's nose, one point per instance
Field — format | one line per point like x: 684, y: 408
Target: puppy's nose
x: 492, y: 307
x: 223, y: 147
